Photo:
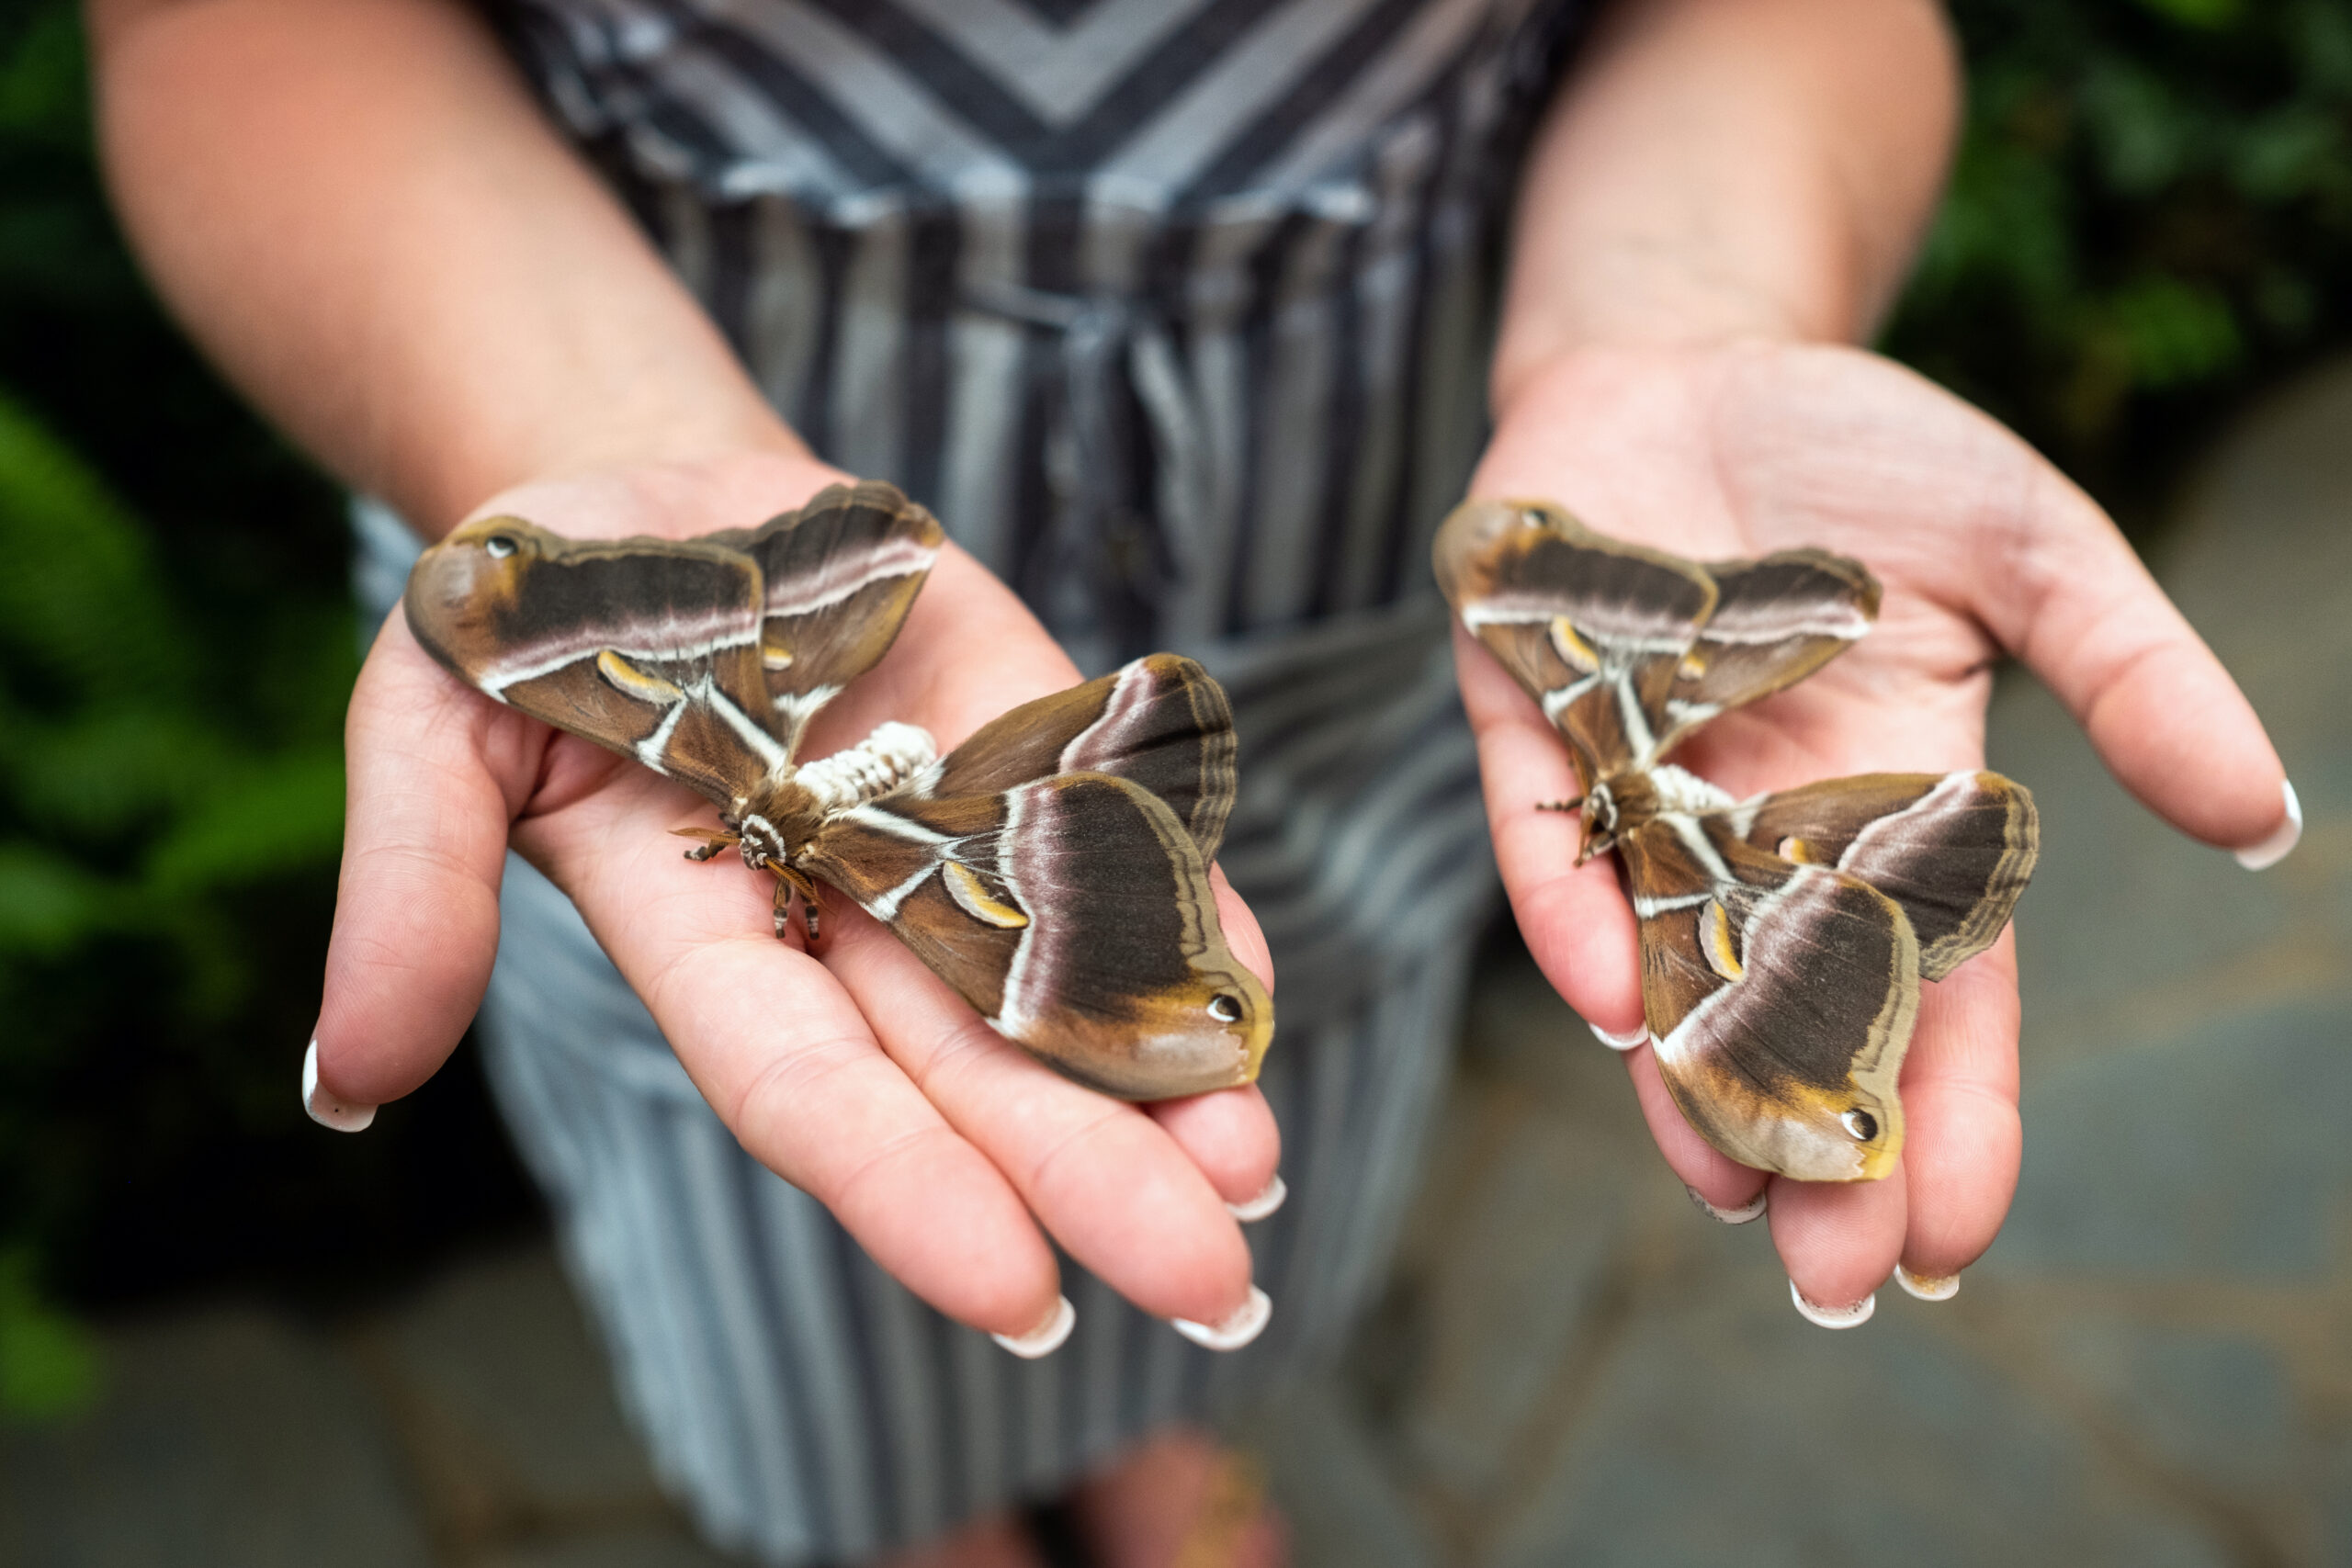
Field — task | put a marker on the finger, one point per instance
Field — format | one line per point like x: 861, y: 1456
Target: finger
x: 1962, y: 1140
x: 1713, y: 1178
x: 1838, y: 1240
x: 1574, y: 919
x: 1108, y: 1181
x: 788, y: 1060
x: 2087, y: 616
x: 1229, y: 1136
x: 434, y: 774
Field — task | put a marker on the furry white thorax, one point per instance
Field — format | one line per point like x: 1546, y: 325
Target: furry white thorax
x: 893, y: 753
x: 1686, y: 792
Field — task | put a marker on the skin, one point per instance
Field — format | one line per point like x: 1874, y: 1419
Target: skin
x: 357, y: 209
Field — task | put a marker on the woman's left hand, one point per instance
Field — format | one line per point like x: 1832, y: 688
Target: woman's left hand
x: 1983, y: 549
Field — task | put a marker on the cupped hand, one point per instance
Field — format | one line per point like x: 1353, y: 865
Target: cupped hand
x: 1982, y: 550
x: 854, y: 1073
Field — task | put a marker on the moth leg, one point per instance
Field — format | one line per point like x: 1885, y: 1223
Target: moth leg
x: 789, y: 883
x: 1576, y: 803
x: 712, y: 842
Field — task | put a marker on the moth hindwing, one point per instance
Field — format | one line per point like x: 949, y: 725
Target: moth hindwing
x: 1054, y: 869
x: 1782, y: 939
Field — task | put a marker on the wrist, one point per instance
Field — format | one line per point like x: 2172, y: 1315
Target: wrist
x: 742, y: 450
x: 1653, y: 308
x: 1578, y: 380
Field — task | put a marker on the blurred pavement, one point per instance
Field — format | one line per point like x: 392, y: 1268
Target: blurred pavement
x: 2153, y: 1365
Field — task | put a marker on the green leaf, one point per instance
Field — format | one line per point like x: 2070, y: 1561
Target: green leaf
x: 50, y: 1365
x: 280, y: 814
x: 44, y: 81
x: 2283, y: 155
x: 48, y: 905
x: 83, y: 596
x: 2207, y: 14
x: 105, y: 770
x: 2177, y: 332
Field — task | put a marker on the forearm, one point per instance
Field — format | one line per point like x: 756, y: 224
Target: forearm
x: 1730, y: 168
x: 357, y: 209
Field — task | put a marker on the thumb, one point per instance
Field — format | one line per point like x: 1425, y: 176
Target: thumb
x: 416, y: 910
x: 2164, y: 715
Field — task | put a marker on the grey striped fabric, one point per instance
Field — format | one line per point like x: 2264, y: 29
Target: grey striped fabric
x: 1174, y: 311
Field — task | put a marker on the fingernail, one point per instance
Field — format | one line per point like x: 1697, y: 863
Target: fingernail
x: 324, y: 1107
x: 1266, y: 1203
x: 1928, y: 1287
x: 1751, y: 1210
x: 2272, y: 850
x: 1047, y: 1338
x: 1637, y: 1035
x: 1235, y: 1332
x: 1834, y: 1317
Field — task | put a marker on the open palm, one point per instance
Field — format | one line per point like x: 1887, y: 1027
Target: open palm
x: 854, y: 1072
x: 1982, y: 550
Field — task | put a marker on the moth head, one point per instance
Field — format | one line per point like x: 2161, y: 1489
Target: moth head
x: 1600, y: 812
x: 777, y: 820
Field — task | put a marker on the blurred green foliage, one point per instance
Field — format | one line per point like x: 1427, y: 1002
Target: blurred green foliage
x: 49, y: 1362
x: 177, y: 646
x: 2149, y: 218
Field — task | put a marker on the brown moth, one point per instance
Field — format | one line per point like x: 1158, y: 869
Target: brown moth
x: 1783, y: 938
x: 1053, y: 869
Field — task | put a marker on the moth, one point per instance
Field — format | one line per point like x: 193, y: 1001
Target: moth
x: 1783, y: 938
x: 1053, y: 868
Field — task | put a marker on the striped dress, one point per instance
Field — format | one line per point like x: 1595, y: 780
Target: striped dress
x: 1175, y: 312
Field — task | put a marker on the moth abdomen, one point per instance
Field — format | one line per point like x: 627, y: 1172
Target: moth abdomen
x: 893, y: 753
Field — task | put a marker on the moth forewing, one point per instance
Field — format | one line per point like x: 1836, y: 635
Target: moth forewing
x: 647, y: 648
x: 1593, y: 628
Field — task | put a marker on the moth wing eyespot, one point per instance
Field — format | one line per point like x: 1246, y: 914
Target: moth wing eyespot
x: 1226, y: 1007
x: 500, y: 545
x: 1861, y: 1125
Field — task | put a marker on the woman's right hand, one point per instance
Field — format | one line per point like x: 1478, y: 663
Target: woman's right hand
x: 855, y: 1074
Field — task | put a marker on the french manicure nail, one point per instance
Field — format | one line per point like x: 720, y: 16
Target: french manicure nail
x: 1928, y: 1287
x: 324, y: 1107
x: 1047, y: 1338
x: 1751, y: 1210
x: 1268, y: 1200
x: 1637, y: 1035
x: 1247, y: 1322
x: 2272, y: 850
x: 1834, y: 1317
